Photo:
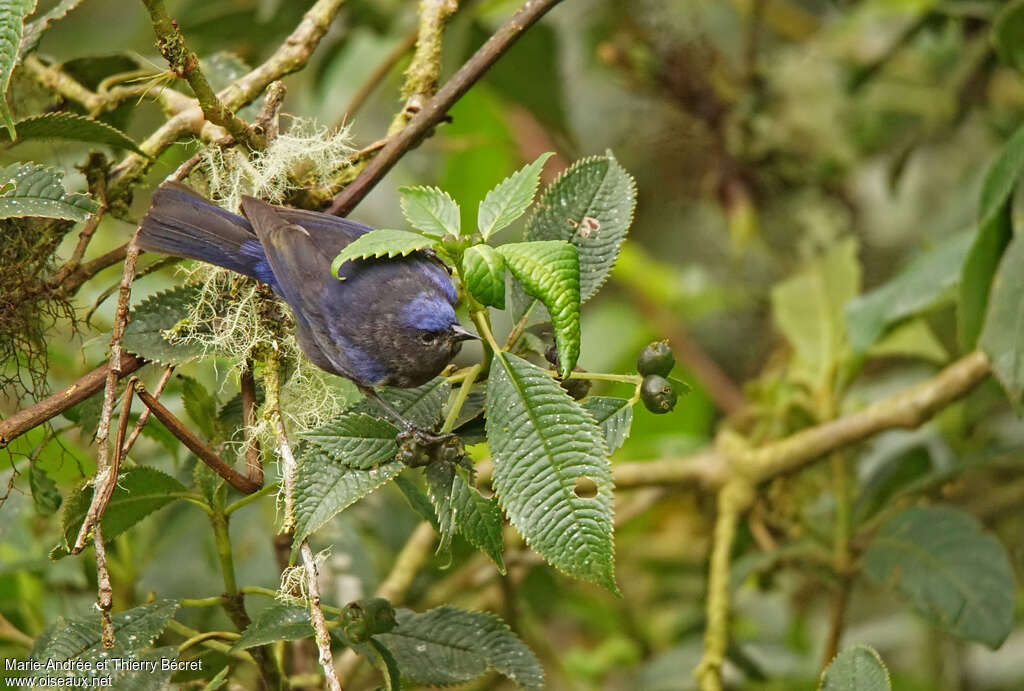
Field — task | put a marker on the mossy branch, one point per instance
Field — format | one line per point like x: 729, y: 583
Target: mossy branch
x: 424, y: 71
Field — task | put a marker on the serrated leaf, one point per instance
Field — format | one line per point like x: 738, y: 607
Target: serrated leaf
x: 479, y: 519
x: 912, y: 339
x: 34, y: 29
x: 200, y: 405
x: 324, y: 487
x: 279, y: 622
x: 139, y: 492
x: 356, y: 440
x: 71, y: 127
x: 446, y: 646
x: 430, y: 210
x: 995, y: 228
x: 918, y: 287
x: 80, y: 639
x: 12, y: 18
x: 381, y: 658
x: 1002, y: 338
x: 44, y: 491
x: 955, y: 576
x: 808, y: 309
x: 549, y: 271
x: 510, y: 198
x: 418, y: 499
x: 153, y: 318
x: 859, y: 668
x: 421, y: 406
x: 440, y: 477
x: 32, y: 189
x: 613, y: 415
x: 382, y: 242
x: 1008, y: 34
x: 590, y: 205
x: 542, y: 442
x: 483, y: 270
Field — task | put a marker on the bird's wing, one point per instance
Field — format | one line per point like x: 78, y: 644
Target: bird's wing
x: 300, y: 268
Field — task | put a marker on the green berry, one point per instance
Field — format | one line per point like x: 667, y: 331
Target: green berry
x: 657, y: 394
x: 656, y: 358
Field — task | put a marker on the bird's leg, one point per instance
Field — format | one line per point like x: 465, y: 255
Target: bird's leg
x: 409, y: 429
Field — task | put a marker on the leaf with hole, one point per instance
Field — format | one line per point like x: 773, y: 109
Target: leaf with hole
x: 955, y: 576
x: 32, y: 189
x: 430, y: 210
x: 483, y: 270
x: 446, y: 646
x: 379, y: 243
x: 139, y: 492
x: 510, y: 198
x: 859, y: 668
x: 550, y: 271
x: 541, y: 442
x: 71, y: 127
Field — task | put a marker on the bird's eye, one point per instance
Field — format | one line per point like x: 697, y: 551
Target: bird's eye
x: 428, y: 338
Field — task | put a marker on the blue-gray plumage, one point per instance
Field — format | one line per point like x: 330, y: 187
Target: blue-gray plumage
x: 390, y: 322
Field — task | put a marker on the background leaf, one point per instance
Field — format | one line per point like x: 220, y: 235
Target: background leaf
x: 542, y: 441
x: 71, y: 127
x: 447, y: 646
x: 430, y: 210
x: 549, y: 271
x: 483, y: 269
x: 859, y: 668
x: 1008, y: 34
x: 954, y: 575
x: 150, y: 319
x: 510, y: 198
x: 12, y: 16
x: 31, y: 189
x: 34, y: 29
x: 379, y: 243
x: 1003, y: 336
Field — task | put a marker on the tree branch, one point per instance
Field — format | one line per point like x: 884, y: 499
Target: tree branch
x: 435, y: 110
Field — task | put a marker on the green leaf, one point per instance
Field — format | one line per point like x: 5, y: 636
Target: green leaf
x: 421, y: 406
x: 417, y: 498
x: 139, y: 492
x: 542, y: 442
x: 954, y: 575
x: 12, y: 17
x: 859, y: 668
x: 912, y: 339
x: 1008, y: 34
x: 34, y: 29
x: 613, y: 415
x: 995, y: 228
x: 279, y: 622
x: 32, y: 189
x: 153, y: 318
x: 478, y: 518
x: 44, y: 491
x: 80, y: 639
x: 808, y: 309
x: 483, y: 270
x: 1002, y: 338
x: 510, y: 198
x: 590, y: 205
x: 919, y: 286
x: 200, y: 405
x: 382, y: 659
x: 430, y: 210
x: 440, y: 477
x: 324, y: 487
x: 219, y: 681
x: 446, y: 646
x: 72, y: 127
x: 356, y: 440
x: 380, y: 243
x: 550, y: 271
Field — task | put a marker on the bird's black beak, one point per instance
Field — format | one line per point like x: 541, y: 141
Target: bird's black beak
x: 460, y: 334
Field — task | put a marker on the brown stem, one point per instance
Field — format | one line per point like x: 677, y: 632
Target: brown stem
x: 837, y: 614
x: 197, y: 445
x: 435, y: 110
x: 144, y: 415
x: 105, y: 593
x: 71, y: 395
x: 83, y: 272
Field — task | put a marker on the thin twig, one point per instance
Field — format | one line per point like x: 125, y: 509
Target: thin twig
x: 436, y: 109
x: 197, y: 446
x: 155, y: 266
x: 144, y: 415
x: 104, y: 592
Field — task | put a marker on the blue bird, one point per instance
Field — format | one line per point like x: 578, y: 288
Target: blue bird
x: 391, y: 322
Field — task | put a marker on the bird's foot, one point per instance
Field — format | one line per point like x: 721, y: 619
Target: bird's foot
x: 418, y: 447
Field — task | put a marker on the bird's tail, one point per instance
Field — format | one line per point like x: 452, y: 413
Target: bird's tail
x: 184, y: 224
